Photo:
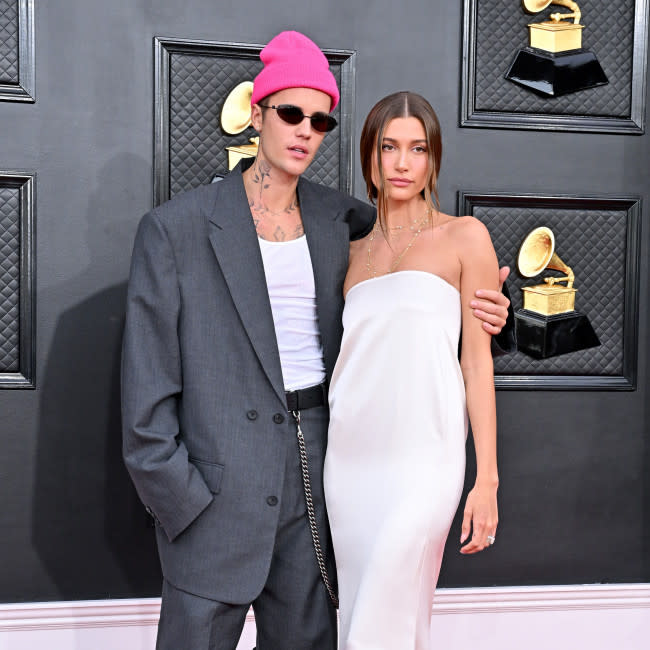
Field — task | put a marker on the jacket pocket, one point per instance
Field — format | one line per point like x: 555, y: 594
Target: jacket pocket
x: 212, y: 473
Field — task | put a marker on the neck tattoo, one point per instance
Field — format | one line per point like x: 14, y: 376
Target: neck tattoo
x: 262, y: 178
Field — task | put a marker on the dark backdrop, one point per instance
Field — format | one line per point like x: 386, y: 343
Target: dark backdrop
x: 575, y: 465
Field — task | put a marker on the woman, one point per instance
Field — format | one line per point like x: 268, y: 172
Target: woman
x: 399, y: 397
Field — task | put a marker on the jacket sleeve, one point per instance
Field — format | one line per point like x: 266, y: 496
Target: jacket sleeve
x: 504, y: 342
x: 361, y: 219
x: 170, y: 487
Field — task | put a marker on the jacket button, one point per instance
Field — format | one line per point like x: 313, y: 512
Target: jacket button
x: 251, y: 415
x: 272, y: 501
x: 278, y: 418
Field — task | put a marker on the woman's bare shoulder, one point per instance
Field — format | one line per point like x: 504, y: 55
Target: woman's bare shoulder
x: 466, y: 223
x: 470, y: 230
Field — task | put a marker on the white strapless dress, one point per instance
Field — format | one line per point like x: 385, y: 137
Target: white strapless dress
x: 395, y: 459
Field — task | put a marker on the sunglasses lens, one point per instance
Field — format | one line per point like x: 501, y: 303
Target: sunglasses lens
x: 322, y: 122
x: 291, y: 114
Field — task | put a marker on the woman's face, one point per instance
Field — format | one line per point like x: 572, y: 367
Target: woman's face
x: 404, y: 158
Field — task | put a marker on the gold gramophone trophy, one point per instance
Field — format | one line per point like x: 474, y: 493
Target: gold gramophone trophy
x: 235, y: 118
x: 555, y: 63
x: 548, y: 324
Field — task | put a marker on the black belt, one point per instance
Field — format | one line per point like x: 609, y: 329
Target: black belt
x: 306, y: 398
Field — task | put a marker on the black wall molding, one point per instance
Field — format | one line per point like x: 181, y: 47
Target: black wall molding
x: 191, y: 81
x: 492, y: 32
x: 598, y: 236
x: 17, y: 71
x: 17, y: 280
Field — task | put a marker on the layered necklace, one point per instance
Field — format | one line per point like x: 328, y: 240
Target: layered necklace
x: 416, y: 228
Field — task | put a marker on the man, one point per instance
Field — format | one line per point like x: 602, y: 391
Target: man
x: 233, y: 326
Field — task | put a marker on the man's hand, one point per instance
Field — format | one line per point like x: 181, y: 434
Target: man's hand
x: 492, y: 306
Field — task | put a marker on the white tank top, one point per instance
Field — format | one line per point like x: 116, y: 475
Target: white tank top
x: 290, y: 282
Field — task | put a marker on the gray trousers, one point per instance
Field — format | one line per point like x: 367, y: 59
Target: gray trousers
x: 293, y: 612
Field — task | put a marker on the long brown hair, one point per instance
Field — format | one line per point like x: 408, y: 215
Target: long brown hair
x: 401, y: 104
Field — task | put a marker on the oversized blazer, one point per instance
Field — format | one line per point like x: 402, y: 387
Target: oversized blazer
x: 205, y: 423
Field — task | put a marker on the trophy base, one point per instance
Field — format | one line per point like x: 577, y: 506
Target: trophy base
x: 542, y: 336
x: 552, y: 75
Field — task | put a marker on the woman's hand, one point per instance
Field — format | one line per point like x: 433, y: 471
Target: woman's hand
x: 492, y: 306
x: 481, y: 517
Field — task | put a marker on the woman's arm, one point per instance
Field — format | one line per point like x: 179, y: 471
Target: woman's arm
x: 479, y: 268
x: 493, y: 306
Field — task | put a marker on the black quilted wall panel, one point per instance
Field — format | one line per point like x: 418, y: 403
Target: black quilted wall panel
x: 199, y: 85
x: 9, y: 279
x: 8, y: 41
x: 17, y: 296
x: 493, y: 32
x: 194, y: 83
x: 594, y: 240
x: 501, y: 31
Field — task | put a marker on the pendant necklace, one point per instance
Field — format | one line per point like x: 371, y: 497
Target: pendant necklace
x: 415, y: 227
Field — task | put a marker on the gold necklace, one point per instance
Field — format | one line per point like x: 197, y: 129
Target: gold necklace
x: 416, y: 227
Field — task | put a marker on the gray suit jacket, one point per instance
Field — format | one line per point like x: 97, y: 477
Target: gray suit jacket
x: 206, y: 430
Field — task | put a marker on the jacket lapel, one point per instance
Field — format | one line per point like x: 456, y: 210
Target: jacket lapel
x: 329, y: 242
x: 234, y: 241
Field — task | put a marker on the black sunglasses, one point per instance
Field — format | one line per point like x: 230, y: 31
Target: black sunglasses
x: 321, y: 122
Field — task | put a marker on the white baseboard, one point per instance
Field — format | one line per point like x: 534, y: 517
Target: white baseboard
x: 497, y: 600
x: 575, y: 617
x: 597, y: 617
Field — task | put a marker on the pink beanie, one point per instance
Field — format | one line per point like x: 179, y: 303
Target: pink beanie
x: 291, y: 60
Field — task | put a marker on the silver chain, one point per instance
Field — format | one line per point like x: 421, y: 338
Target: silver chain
x: 310, y: 509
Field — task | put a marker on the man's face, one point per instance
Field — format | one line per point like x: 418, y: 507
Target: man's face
x: 289, y: 148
